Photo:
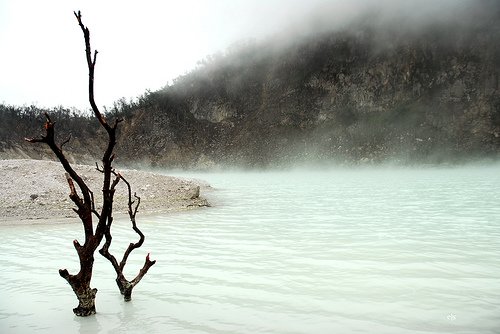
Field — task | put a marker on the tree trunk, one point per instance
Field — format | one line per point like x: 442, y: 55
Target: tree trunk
x: 86, y: 300
x: 80, y: 283
x: 125, y: 288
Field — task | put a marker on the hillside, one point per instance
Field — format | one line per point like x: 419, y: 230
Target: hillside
x: 367, y: 93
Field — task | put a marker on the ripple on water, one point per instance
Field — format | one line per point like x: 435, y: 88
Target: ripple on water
x: 340, y: 251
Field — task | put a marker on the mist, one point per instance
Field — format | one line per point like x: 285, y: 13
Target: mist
x: 146, y: 46
x: 349, y: 152
x: 357, y: 82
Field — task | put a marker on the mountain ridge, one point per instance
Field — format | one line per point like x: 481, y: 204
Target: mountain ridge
x: 366, y: 93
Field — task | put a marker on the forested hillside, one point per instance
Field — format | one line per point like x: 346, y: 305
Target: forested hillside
x: 363, y: 94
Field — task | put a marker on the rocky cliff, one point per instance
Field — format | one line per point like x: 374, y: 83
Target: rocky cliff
x: 366, y: 93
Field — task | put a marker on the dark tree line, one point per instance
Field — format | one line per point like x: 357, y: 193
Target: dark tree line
x: 27, y: 119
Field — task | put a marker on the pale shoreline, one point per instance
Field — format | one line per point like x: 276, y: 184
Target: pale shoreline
x: 36, y: 192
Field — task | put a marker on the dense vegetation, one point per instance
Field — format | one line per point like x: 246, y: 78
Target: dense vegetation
x: 24, y: 121
x: 364, y: 94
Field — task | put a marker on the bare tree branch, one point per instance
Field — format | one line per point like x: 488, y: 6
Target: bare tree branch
x: 85, y: 203
x: 124, y: 285
x: 65, y: 142
x: 49, y: 139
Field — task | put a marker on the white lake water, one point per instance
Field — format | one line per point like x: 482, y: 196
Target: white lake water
x: 341, y: 251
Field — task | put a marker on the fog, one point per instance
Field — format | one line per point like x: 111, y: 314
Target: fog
x: 146, y: 45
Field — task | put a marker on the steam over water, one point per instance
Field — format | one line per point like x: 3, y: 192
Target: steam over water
x: 361, y: 251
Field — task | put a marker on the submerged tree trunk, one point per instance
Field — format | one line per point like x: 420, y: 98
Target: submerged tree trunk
x: 84, y: 200
x: 80, y: 283
x: 83, y: 291
x: 125, y: 286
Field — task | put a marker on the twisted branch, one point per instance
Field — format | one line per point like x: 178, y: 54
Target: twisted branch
x: 124, y: 285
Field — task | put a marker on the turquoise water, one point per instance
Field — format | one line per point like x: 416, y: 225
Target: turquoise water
x: 340, y: 251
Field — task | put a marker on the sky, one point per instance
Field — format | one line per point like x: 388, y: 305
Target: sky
x: 142, y: 44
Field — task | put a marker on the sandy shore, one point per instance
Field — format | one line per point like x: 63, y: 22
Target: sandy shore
x: 34, y: 191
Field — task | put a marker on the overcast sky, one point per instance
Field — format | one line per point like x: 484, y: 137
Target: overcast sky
x: 142, y: 44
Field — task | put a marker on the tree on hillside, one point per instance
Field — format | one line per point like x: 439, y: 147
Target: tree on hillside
x: 83, y: 198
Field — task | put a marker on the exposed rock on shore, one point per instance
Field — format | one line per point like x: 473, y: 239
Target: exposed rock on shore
x: 36, y: 191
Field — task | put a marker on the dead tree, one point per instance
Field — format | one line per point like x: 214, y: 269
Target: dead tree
x: 80, y: 283
x: 84, y: 200
x: 125, y: 285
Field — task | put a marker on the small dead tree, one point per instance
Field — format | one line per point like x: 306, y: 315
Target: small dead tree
x: 84, y: 201
x: 125, y: 285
